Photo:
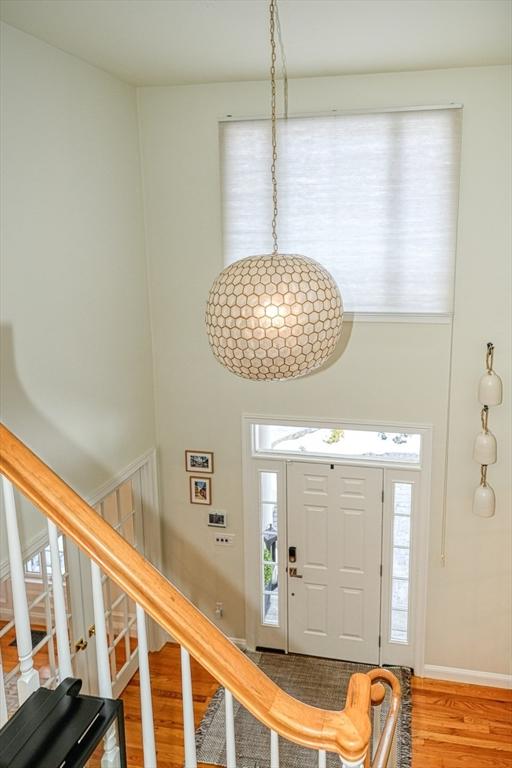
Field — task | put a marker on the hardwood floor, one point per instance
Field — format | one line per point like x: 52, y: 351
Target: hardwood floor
x: 461, y: 726
x: 454, y: 725
x: 167, y: 707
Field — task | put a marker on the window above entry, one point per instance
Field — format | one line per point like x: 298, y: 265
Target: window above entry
x: 337, y: 443
x: 373, y: 197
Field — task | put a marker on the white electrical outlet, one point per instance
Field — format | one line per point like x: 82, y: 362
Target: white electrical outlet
x: 224, y: 539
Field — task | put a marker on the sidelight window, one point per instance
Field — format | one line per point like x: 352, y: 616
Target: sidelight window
x: 402, y: 505
x: 268, y: 548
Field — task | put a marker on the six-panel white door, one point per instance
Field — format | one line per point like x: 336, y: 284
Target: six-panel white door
x: 335, y: 526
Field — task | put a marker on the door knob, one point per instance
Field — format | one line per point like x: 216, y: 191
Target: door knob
x: 92, y: 630
x: 80, y: 645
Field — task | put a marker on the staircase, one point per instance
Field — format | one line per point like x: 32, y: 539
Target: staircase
x: 347, y: 733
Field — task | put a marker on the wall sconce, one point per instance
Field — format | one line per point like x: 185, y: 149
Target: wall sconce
x: 490, y: 392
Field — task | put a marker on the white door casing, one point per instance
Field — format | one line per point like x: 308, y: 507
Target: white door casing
x: 335, y: 524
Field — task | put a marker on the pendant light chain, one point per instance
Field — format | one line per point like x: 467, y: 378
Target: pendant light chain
x: 273, y: 119
x: 261, y: 325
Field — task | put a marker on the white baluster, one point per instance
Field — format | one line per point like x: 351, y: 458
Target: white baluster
x: 3, y: 700
x: 274, y: 749
x: 111, y: 755
x: 188, y: 711
x: 230, y: 730
x: 28, y: 681
x: 146, y: 705
x: 59, y: 605
x: 322, y: 758
x: 376, y: 715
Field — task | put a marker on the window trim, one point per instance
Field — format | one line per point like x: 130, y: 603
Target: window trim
x: 232, y: 118
x: 424, y: 430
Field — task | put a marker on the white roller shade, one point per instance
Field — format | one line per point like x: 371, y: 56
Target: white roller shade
x: 372, y: 197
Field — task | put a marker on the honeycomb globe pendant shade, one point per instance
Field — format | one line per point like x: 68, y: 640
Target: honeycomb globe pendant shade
x: 276, y: 316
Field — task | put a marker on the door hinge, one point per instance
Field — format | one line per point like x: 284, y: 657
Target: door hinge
x: 380, y: 570
x: 382, y: 497
x: 380, y: 640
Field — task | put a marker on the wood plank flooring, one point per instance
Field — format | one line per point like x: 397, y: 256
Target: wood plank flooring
x: 454, y: 725
x: 461, y: 726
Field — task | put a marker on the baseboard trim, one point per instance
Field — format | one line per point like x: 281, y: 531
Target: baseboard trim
x: 240, y: 642
x: 473, y: 676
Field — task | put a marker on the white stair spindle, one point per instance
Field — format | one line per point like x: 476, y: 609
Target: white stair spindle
x: 59, y: 605
x: 322, y: 758
x: 28, y: 681
x: 230, y: 730
x: 3, y: 700
x: 376, y: 715
x: 111, y: 755
x: 188, y: 711
x: 274, y: 749
x: 146, y: 705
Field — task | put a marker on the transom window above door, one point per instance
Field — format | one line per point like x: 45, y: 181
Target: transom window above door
x: 337, y: 442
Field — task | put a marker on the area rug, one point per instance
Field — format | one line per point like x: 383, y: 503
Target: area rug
x: 319, y: 682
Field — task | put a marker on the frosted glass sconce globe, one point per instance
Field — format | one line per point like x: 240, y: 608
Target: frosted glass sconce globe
x: 275, y: 316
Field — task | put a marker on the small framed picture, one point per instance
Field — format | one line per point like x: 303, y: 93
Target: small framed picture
x: 200, y: 490
x: 217, y: 519
x: 199, y: 461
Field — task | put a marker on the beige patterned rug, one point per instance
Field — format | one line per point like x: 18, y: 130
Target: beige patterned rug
x: 319, y: 682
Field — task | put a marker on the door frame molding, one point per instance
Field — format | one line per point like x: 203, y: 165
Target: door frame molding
x: 421, y: 534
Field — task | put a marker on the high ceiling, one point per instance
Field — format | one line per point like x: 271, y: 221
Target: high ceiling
x: 159, y: 42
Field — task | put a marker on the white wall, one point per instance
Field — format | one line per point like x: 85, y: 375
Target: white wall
x: 76, y: 370
x: 395, y: 373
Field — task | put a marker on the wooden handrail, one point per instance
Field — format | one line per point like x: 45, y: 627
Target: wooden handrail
x: 378, y: 692
x: 346, y: 733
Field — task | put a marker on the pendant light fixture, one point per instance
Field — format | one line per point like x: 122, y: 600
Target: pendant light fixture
x: 274, y: 316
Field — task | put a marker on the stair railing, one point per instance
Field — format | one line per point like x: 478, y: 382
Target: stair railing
x: 346, y: 733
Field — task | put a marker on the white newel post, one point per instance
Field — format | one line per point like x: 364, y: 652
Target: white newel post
x: 230, y: 730
x: 59, y: 604
x: 189, y: 734
x: 28, y: 681
x: 111, y: 754
x: 146, y: 705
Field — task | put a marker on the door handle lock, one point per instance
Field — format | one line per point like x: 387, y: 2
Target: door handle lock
x: 80, y: 645
x: 92, y: 630
x: 293, y: 573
